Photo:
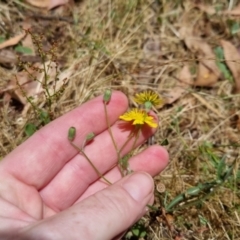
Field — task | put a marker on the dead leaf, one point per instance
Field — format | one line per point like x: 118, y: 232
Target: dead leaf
x: 31, y: 88
x: 209, y: 9
x: 174, y: 95
x: 27, y: 41
x: 205, y: 76
x: 232, y: 58
x: 185, y: 80
x: 26, y: 79
x: 208, y: 58
x: 39, y: 3
x: 55, y: 3
x: 208, y: 72
x: 151, y: 48
x: 234, y: 12
x: 48, y: 4
x: 34, y: 88
x: 12, y: 41
x: 8, y: 57
x: 185, y: 77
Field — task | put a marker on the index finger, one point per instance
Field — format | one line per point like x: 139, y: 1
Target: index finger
x: 37, y: 160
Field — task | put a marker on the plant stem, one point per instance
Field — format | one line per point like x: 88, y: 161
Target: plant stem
x: 111, y: 135
x: 123, y: 146
x: 137, y: 135
x: 90, y: 162
x: 128, y: 140
x: 109, y: 128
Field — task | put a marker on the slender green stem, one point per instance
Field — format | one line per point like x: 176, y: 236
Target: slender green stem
x: 137, y: 136
x: 111, y: 135
x: 123, y: 146
x: 134, y: 144
x: 128, y: 140
x: 90, y: 162
x: 109, y: 129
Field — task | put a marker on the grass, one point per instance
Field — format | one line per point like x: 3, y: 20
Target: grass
x: 132, y: 46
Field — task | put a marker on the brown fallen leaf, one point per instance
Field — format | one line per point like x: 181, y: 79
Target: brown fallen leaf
x: 208, y: 60
x: 174, y: 95
x: 34, y: 88
x: 151, y: 48
x: 185, y: 77
x: 39, y: 3
x: 55, y: 3
x: 205, y: 76
x: 25, y: 79
x: 8, y: 57
x: 232, y: 58
x: 234, y: 12
x: 12, y: 41
x: 208, y: 72
x: 209, y: 9
x: 185, y: 80
x: 31, y: 88
x: 27, y: 41
x: 48, y: 4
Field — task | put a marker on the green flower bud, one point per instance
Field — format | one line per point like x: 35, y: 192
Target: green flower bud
x: 90, y: 137
x: 107, y: 95
x: 71, y: 133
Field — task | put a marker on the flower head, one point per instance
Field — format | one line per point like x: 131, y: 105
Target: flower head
x: 148, y: 98
x: 139, y: 117
x: 107, y: 95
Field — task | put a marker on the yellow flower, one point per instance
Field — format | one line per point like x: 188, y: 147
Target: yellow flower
x: 148, y: 98
x: 139, y: 117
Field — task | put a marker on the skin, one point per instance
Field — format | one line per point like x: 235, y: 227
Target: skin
x: 49, y: 191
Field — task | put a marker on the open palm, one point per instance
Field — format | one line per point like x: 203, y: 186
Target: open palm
x: 49, y: 191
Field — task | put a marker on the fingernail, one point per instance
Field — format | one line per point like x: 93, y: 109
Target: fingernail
x: 139, y: 185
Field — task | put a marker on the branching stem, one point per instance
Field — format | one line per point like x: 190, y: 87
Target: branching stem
x: 90, y: 162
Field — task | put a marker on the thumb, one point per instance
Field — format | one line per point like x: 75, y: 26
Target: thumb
x: 103, y: 215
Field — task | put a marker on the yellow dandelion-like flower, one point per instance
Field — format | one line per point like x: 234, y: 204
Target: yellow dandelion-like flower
x: 138, y: 117
x: 148, y: 98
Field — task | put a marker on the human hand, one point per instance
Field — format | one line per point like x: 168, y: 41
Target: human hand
x: 49, y: 191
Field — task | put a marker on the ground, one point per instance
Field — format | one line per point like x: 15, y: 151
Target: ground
x: 185, y: 51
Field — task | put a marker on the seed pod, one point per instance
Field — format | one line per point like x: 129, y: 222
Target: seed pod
x: 90, y: 137
x: 107, y: 95
x: 71, y: 133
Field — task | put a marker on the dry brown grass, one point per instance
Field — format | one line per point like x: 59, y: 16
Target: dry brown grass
x: 135, y: 45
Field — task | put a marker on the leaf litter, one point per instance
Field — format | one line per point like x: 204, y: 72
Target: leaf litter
x: 12, y: 41
x: 185, y: 80
x: 48, y: 4
x: 232, y: 58
x: 208, y: 72
x: 180, y: 62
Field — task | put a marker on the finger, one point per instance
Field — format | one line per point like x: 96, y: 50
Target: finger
x: 42, y: 156
x: 152, y: 160
x: 101, y: 216
x: 77, y: 175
